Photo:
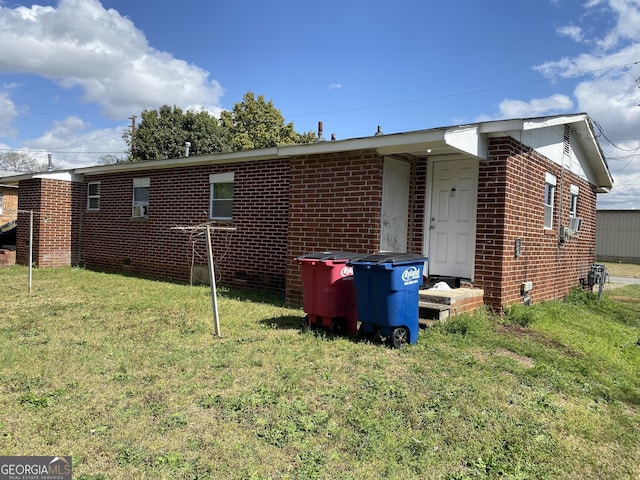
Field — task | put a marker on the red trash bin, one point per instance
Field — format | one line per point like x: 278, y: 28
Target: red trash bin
x: 329, y: 295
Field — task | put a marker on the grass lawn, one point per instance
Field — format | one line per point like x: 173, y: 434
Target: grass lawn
x: 125, y: 376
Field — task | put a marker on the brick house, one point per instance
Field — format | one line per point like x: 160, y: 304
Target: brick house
x: 507, y: 205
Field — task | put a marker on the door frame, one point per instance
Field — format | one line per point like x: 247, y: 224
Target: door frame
x: 429, y: 204
x: 388, y: 163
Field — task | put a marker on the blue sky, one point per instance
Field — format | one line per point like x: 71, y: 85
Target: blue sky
x: 73, y: 71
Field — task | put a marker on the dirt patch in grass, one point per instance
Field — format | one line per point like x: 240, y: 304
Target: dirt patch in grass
x: 539, y: 337
x: 521, y: 359
x: 623, y: 298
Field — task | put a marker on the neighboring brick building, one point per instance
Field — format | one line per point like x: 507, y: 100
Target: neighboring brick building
x: 496, y: 203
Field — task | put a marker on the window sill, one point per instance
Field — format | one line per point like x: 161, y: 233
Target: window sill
x: 550, y: 231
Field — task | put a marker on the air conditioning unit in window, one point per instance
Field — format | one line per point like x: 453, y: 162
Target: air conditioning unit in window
x: 138, y: 211
x: 564, y: 233
x: 575, y: 224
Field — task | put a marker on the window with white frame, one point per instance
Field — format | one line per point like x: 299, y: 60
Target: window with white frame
x: 573, y: 202
x: 549, y: 198
x: 140, y: 207
x: 221, y: 203
x: 93, y: 196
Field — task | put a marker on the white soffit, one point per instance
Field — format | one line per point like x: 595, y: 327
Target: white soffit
x: 467, y: 139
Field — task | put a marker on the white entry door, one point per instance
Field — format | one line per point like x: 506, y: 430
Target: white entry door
x: 452, y: 218
x: 395, y: 206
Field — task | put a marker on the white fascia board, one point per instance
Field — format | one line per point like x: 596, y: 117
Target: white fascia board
x: 542, y: 122
x: 500, y: 127
x: 67, y: 176
x: 521, y: 124
x: 419, y: 141
x: 215, y: 158
x: 15, y: 179
x: 383, y: 144
x: 324, y: 147
x: 467, y: 139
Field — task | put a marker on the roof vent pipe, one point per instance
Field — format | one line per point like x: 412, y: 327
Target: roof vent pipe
x: 320, y: 137
x: 186, y: 148
x: 379, y: 131
x: 50, y: 163
x: 333, y: 137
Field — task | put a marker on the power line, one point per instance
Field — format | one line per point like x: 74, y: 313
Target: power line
x: 79, y: 152
x: 460, y: 94
x: 599, y: 127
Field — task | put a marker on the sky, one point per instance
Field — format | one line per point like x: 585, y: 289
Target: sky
x: 74, y: 72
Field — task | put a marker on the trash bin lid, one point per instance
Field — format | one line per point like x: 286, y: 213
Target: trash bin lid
x: 329, y: 256
x: 395, y: 258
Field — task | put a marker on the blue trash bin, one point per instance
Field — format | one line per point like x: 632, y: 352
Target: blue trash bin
x: 387, y: 294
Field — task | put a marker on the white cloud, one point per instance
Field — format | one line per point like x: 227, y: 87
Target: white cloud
x: 73, y: 143
x: 607, y: 90
x: 627, y: 28
x: 571, y: 31
x: 8, y: 113
x: 335, y: 86
x: 510, y: 108
x: 590, y: 63
x: 81, y: 44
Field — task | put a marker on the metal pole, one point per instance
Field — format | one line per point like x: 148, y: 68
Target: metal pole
x: 30, y: 248
x: 212, y: 280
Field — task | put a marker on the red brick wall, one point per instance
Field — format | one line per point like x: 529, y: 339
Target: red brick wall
x: 417, y: 205
x: 55, y: 204
x: 517, y: 175
x: 28, y: 199
x: 252, y: 256
x: 335, y: 204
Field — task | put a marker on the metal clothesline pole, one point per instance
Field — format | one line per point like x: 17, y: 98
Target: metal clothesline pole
x: 30, y: 248
x: 212, y: 277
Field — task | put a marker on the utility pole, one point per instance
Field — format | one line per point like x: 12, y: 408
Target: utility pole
x: 133, y: 131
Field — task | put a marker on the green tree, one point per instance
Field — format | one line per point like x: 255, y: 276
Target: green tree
x: 163, y: 133
x: 255, y: 123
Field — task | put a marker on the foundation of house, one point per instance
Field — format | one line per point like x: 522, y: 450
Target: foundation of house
x: 435, y: 306
x: 7, y: 257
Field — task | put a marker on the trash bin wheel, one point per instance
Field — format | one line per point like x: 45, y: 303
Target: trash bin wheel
x: 338, y: 326
x: 368, y: 334
x: 399, y: 337
x: 306, y: 324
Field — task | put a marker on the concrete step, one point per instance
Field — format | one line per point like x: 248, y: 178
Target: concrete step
x: 433, y: 311
x: 428, y: 323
